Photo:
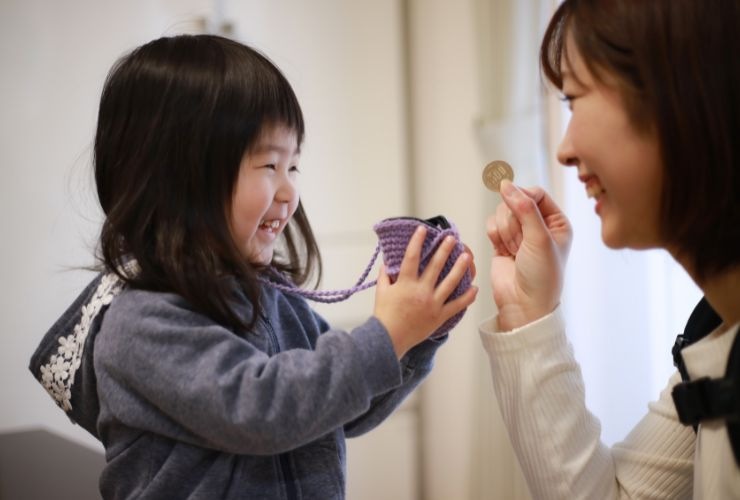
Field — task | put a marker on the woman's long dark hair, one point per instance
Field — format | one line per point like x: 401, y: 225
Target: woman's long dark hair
x: 677, y: 66
x: 176, y: 117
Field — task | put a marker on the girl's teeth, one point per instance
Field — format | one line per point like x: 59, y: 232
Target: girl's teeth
x: 270, y: 224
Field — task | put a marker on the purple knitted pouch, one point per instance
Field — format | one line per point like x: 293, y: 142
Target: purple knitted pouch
x: 393, y: 237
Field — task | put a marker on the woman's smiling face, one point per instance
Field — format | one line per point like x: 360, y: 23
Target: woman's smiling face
x: 619, y: 164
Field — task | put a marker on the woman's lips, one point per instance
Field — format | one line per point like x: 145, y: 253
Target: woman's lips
x: 593, y: 186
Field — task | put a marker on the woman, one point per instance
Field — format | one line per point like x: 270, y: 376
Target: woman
x: 653, y: 89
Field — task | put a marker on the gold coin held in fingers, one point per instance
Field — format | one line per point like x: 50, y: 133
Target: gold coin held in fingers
x: 495, y: 172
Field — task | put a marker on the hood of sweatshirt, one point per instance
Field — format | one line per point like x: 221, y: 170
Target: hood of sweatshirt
x: 63, y: 362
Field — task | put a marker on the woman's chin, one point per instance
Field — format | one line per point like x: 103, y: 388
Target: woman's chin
x: 611, y: 237
x: 616, y: 241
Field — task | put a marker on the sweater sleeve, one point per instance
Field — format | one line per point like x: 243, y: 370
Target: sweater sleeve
x: 168, y: 370
x: 541, y: 394
x: 415, y: 366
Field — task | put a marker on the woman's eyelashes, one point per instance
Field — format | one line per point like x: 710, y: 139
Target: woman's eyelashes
x: 568, y: 99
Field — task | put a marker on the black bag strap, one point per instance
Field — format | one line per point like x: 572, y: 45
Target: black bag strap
x: 733, y: 421
x: 708, y: 398
x: 701, y: 322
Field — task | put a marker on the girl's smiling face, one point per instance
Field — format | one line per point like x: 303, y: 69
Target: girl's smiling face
x: 619, y: 164
x: 265, y: 194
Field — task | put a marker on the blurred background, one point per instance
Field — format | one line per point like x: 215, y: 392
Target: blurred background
x: 405, y: 102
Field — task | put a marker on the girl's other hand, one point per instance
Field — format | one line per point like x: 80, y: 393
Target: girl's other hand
x: 412, y: 307
x: 531, y: 238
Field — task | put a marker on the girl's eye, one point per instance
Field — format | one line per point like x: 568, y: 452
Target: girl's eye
x: 295, y: 169
x: 271, y: 166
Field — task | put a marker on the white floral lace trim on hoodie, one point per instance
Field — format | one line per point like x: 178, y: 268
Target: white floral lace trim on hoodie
x: 57, y: 376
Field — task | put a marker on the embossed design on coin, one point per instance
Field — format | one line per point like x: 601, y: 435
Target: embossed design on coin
x: 495, y: 172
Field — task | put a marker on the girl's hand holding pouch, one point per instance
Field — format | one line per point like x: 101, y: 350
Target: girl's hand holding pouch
x: 414, y: 305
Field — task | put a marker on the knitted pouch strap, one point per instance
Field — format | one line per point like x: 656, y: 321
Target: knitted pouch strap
x: 325, y: 296
x: 393, y: 238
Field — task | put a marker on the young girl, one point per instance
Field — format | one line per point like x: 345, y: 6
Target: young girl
x: 203, y: 381
x: 653, y: 88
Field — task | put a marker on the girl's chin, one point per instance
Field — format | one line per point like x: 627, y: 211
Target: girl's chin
x: 262, y: 257
x: 262, y: 261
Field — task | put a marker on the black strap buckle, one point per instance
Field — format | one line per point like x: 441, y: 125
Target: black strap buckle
x: 706, y: 399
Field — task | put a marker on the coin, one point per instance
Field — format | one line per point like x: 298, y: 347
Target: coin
x: 495, y: 172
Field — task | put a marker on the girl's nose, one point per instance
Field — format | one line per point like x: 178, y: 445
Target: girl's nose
x: 288, y: 189
x: 566, y: 153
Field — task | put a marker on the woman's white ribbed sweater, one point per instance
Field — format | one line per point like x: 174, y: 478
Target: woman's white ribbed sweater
x: 557, y: 440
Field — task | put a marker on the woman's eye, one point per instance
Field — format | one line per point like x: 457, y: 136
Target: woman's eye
x: 295, y: 169
x: 271, y: 166
x: 568, y: 99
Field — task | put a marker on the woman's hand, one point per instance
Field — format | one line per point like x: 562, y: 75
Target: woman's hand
x: 413, y: 306
x: 531, y: 238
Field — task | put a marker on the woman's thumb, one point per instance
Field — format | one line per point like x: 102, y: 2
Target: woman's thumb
x: 525, y: 209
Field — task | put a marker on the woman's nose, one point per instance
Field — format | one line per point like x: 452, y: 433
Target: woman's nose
x: 566, y: 153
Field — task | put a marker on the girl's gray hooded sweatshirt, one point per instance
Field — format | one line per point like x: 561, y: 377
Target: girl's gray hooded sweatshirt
x: 189, y: 409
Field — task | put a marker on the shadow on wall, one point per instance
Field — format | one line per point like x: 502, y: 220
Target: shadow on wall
x: 39, y: 465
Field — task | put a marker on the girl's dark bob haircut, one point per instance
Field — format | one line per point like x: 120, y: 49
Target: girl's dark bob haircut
x: 676, y: 65
x: 176, y: 117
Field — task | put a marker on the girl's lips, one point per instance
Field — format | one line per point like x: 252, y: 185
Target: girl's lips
x: 271, y: 226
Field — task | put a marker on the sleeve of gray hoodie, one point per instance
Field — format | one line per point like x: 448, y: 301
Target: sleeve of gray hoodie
x: 415, y: 366
x: 166, y: 369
